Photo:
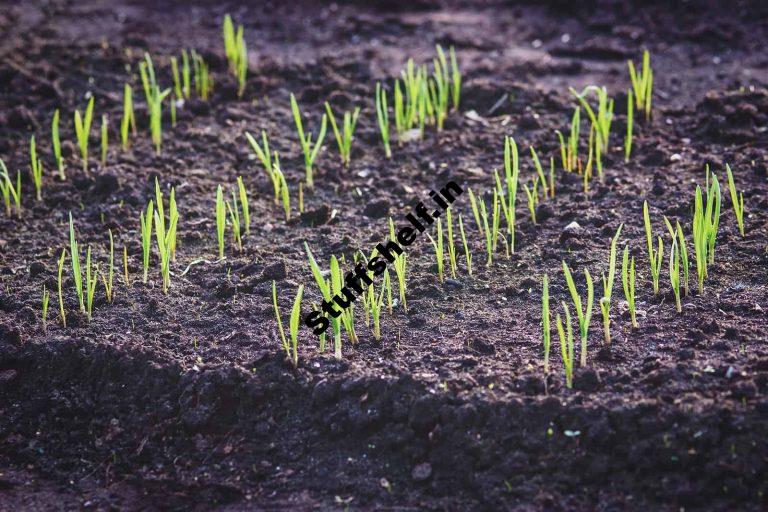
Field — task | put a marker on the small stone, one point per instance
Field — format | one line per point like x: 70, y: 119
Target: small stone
x: 422, y: 472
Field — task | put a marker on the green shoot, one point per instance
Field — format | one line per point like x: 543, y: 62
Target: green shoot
x: 532, y: 197
x: 451, y: 246
x: 737, y: 200
x: 628, y: 138
x: 628, y: 282
x: 91, y: 279
x: 325, y: 289
x: 512, y: 173
x: 221, y: 220
x: 242, y: 63
x: 62, y: 313
x: 490, y: 240
x: 243, y: 193
x: 203, y: 80
x: 382, y: 116
x: 467, y: 253
x: 155, y: 99
x: 655, y: 257
x: 83, y: 131
x: 344, y: 137
x: 44, y: 314
x: 125, y: 267
x: 439, y: 251
x: 234, y: 218
x: 310, y: 151
x: 584, y: 315
x: 186, y: 88
x: 712, y: 214
x: 108, y: 281
x: 129, y: 117
x: 642, y: 84
x: 230, y: 42
x: 375, y: 305
x: 674, y: 273
x: 176, y: 77
x: 540, y: 173
x: 475, y: 211
x: 57, y: 145
x: 400, y: 264
x: 9, y: 191
x: 145, y: 220
x: 566, y: 345
x: 455, y: 79
x: 104, y: 139
x: 236, y: 52
x: 165, y: 242
x: 601, y: 120
x: 37, y: 169
x: 74, y: 250
x: 605, y: 302
x: 291, y: 350
x: 545, y: 322
x: 569, y: 153
x: 266, y: 160
x: 284, y: 192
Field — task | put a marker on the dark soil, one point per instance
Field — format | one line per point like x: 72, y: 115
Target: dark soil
x: 185, y: 401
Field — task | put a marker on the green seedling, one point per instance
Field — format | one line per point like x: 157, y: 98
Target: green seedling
x: 655, y: 257
x: 128, y: 122
x: 234, y: 217
x: 512, y: 173
x: 737, y: 200
x: 451, y: 245
x: 83, y: 131
x: 74, y: 251
x: 490, y: 230
x: 108, y: 281
x: 674, y: 273
x: 601, y: 120
x: 44, y: 313
x: 325, y: 289
x: 584, y: 315
x: 375, y: 304
x: 439, y: 250
x: 566, y: 345
x: 382, y: 117
x: 243, y: 193
x: 605, y: 301
x: 173, y: 213
x: 455, y: 79
x: 125, y: 267
x: 291, y: 350
x: 309, y: 149
x: 712, y: 214
x: 104, y: 139
x: 262, y: 152
x: 203, y: 79
x: 628, y: 282
x: 540, y: 172
x: 155, y: 98
x: 532, y: 195
x: 545, y: 322
x: 467, y: 252
x: 630, y: 115
x: 284, y: 191
x: 145, y: 221
x: 91, y: 279
x: 569, y: 152
x: 37, y: 169
x: 176, y: 78
x: 242, y: 63
x: 10, y: 192
x: 475, y: 211
x: 236, y: 52
x: 230, y: 42
x: 400, y: 265
x: 642, y: 84
x: 348, y: 314
x: 56, y: 141
x: 186, y: 85
x: 165, y: 243
x: 62, y: 313
x: 677, y: 233
x: 345, y: 136
x: 221, y: 220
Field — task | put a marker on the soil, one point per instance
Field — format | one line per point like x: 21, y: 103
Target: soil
x: 185, y: 401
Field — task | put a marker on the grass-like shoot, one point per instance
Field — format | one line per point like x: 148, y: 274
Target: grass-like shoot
x: 382, y: 116
x: 234, y: 218
x: 56, y: 142
x: 512, y: 174
x: 642, y: 84
x: 375, y: 304
x: 36, y: 166
x: 128, y: 122
x: 490, y: 230
x: 243, y: 195
x: 628, y: 282
x: 221, y: 219
x: 77, y: 275
x: 104, y: 139
x: 62, y: 313
x: 291, y: 350
x: 674, y: 273
x: 705, y: 224
x: 271, y: 167
x: 11, y: 193
x: 236, y: 52
x: 439, y: 250
x: 467, y: 252
x: 91, y: 280
x: 451, y: 245
x: 125, y: 267
x: 601, y: 120
x: 630, y: 120
x: 605, y: 301
x: 309, y: 149
x: 109, y: 279
x: 145, y: 221
x: 532, y: 194
x: 83, y: 131
x: 155, y: 98
x: 569, y: 152
x: 203, y: 79
x: 737, y: 200
x: 164, y: 244
x: 545, y: 333
x: 44, y: 312
x: 540, y: 174
x: 345, y: 135
x: 566, y: 345
x: 584, y: 315
x: 401, y: 266
x: 655, y: 256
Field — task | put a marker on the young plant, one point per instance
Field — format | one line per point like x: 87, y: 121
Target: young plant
x: 451, y: 246
x: 705, y: 224
x: 128, y: 122
x: 628, y: 282
x: 375, y: 303
x: 630, y: 115
x: 57, y: 145
x: 605, y: 301
x: 125, y: 267
x: 310, y: 150
x: 601, y: 120
x: 490, y: 230
x: 532, y: 196
x: 164, y: 244
x: 439, y: 250
x: 145, y: 220
x: 512, y: 173
x: 91, y: 279
x: 242, y: 63
x: 455, y: 79
x: 9, y: 191
x: 674, y: 274
x: 262, y: 152
x: 74, y: 251
x: 642, y: 84
x: 243, y: 194
x: 62, y: 313
x: 569, y: 153
x: 712, y: 214
x: 344, y: 137
x: 155, y: 98
x: 382, y: 115
x: 236, y: 52
x: 176, y: 77
x: 234, y: 217
x: 400, y: 264
x: 37, y: 169
x: 545, y: 322
x: 566, y: 345
x: 108, y: 281
x: 325, y: 289
x: 540, y: 172
x: 104, y: 139
x: 655, y: 257
x: 291, y: 350
x: 44, y: 313
x: 285, y: 195
x: 584, y: 315
x: 467, y: 253
x: 203, y: 80
x: 737, y: 200
x: 83, y: 131
x: 221, y: 220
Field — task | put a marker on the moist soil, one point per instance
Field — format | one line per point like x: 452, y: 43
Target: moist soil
x: 185, y: 401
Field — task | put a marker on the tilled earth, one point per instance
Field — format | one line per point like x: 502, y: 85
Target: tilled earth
x: 185, y: 401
